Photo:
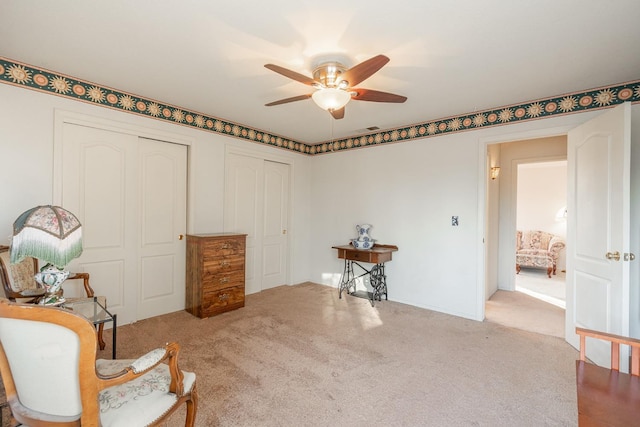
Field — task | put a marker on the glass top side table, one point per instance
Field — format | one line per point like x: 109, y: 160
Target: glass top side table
x: 95, y: 313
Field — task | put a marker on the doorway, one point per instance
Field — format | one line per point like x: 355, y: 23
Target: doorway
x: 541, y: 206
x: 503, y: 304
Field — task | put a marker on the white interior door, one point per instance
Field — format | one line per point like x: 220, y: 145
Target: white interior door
x: 275, y: 238
x: 98, y: 167
x: 130, y: 196
x: 256, y: 203
x: 243, y: 199
x: 598, y: 224
x: 163, y: 199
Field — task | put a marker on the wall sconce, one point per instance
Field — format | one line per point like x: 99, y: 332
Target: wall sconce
x: 495, y: 172
x: 561, y: 215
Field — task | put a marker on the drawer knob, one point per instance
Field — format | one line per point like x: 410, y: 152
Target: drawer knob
x: 224, y: 263
x: 224, y: 280
x: 223, y: 297
x: 226, y: 246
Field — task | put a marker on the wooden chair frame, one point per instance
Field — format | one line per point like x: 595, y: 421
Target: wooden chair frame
x: 608, y: 396
x: 12, y: 295
x: 91, y: 382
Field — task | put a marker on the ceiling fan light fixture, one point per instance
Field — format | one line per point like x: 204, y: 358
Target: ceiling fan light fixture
x: 331, y: 98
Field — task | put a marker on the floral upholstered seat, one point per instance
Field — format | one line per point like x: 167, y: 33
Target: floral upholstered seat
x: 538, y: 249
x: 17, y: 280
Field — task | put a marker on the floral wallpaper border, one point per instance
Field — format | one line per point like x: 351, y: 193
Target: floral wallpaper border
x: 23, y: 75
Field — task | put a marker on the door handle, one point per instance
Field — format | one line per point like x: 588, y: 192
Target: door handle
x: 613, y: 255
x: 180, y: 237
x: 629, y: 257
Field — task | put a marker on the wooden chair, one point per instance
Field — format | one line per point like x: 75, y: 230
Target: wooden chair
x: 20, y: 286
x: 608, y: 397
x: 17, y: 279
x: 52, y: 378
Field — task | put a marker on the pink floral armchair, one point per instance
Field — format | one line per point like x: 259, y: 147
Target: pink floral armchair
x: 538, y: 249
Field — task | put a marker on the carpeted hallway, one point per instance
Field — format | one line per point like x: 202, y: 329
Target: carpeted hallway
x: 533, y: 307
x: 298, y: 355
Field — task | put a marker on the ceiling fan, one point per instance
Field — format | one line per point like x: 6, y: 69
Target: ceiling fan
x: 335, y: 85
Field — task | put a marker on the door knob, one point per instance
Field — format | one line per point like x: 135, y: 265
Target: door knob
x: 180, y: 237
x: 629, y: 257
x: 613, y: 255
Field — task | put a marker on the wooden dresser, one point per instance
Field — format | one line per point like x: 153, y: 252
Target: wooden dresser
x: 215, y: 273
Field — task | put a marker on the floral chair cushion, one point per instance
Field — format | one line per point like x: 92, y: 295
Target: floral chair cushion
x: 534, y: 258
x: 133, y: 403
x: 18, y: 278
x: 21, y: 274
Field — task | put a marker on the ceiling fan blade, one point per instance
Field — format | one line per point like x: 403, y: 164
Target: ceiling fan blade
x: 376, y: 96
x: 362, y: 71
x: 292, y: 99
x: 291, y: 74
x: 337, y: 114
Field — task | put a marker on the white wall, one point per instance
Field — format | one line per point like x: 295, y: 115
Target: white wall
x: 26, y: 154
x: 408, y: 191
x: 492, y: 215
x: 541, y: 193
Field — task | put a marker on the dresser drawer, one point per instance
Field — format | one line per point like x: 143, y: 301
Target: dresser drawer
x: 222, y: 265
x: 222, y: 300
x: 223, y: 247
x: 214, y: 282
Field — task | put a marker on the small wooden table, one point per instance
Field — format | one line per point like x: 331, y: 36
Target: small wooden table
x: 377, y: 255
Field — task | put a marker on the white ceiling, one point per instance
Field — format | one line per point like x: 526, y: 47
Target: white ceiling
x: 448, y: 57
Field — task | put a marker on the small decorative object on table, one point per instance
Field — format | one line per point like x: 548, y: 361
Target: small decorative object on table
x: 364, y: 241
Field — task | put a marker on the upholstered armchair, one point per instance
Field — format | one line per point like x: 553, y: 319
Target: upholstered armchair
x: 51, y: 376
x: 538, y: 249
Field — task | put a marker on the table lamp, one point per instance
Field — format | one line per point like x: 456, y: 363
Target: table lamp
x: 53, y: 235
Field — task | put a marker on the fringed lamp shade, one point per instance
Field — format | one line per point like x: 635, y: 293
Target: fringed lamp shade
x: 49, y: 233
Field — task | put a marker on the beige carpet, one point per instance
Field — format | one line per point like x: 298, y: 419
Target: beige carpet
x: 535, y: 306
x: 299, y: 356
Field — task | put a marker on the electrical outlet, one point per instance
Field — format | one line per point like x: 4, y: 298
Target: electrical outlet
x: 454, y: 221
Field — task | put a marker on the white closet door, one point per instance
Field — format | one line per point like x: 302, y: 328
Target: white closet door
x: 256, y: 203
x: 97, y: 171
x: 129, y: 195
x: 163, y: 217
x: 274, y: 244
x: 243, y: 198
